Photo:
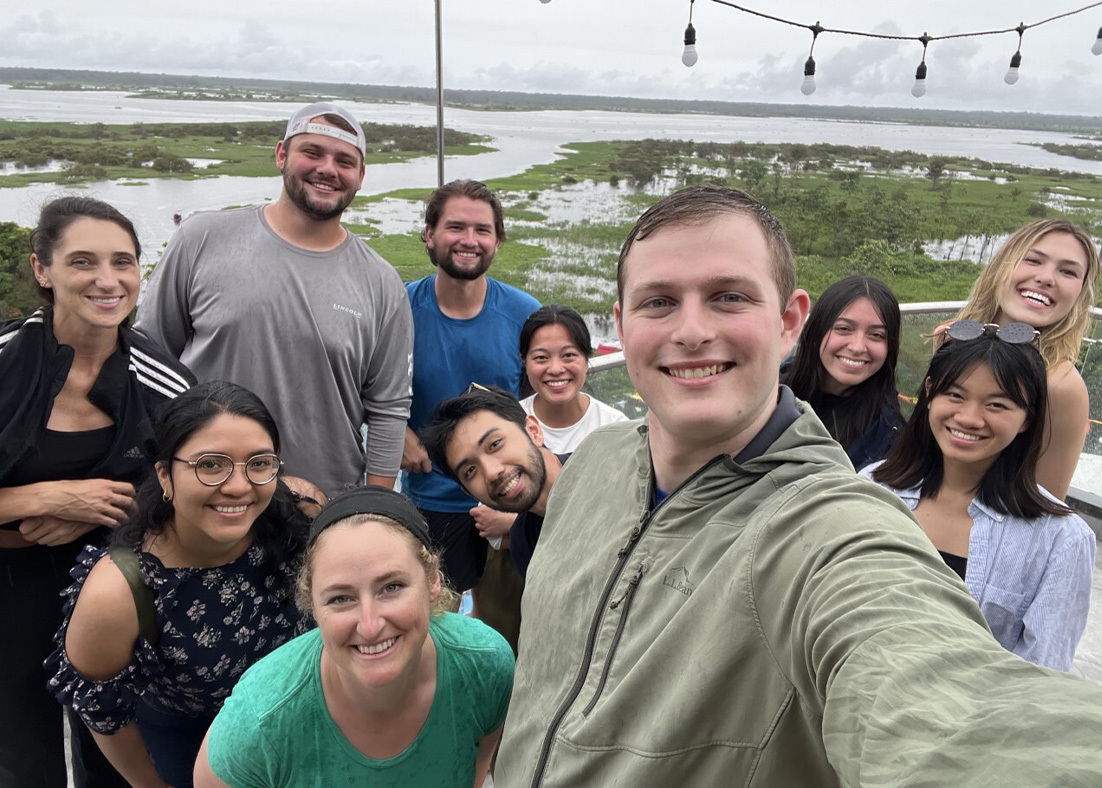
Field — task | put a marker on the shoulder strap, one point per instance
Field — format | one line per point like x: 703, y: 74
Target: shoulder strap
x: 127, y: 562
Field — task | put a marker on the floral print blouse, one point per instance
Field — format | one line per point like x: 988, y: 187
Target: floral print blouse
x: 214, y: 623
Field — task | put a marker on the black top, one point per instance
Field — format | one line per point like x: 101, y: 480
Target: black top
x: 60, y: 455
x: 958, y: 563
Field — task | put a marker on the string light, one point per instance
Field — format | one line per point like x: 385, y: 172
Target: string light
x: 919, y: 88
x: 1011, y: 77
x: 689, y: 56
x: 808, y: 86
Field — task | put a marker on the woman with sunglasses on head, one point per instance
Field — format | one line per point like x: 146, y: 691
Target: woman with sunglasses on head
x: 197, y: 587
x: 965, y: 465
x: 79, y: 389
x: 1046, y: 275
x: 389, y: 690
x: 844, y: 366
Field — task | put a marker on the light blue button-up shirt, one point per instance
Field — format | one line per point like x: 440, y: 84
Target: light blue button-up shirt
x: 1031, y: 578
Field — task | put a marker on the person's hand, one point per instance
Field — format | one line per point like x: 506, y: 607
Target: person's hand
x: 95, y: 501
x: 308, y: 496
x: 53, y: 531
x: 414, y: 457
x: 490, y: 522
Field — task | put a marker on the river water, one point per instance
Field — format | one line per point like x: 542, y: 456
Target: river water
x: 522, y: 139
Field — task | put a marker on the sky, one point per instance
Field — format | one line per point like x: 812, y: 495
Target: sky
x: 600, y: 47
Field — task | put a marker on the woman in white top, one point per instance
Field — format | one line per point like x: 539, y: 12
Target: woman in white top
x: 555, y: 347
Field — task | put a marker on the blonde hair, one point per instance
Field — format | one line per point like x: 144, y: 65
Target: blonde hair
x: 1060, y: 341
x: 446, y: 600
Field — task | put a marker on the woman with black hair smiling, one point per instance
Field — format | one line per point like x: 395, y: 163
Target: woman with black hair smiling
x: 79, y: 389
x: 555, y: 348
x: 196, y: 588
x: 966, y: 466
x: 844, y: 366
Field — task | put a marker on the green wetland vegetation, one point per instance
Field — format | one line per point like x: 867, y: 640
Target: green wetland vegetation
x: 97, y: 151
x: 894, y: 215
x: 901, y: 216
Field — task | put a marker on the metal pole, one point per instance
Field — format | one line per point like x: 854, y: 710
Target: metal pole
x: 439, y: 101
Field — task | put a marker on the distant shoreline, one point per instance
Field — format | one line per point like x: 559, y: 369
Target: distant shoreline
x: 234, y: 88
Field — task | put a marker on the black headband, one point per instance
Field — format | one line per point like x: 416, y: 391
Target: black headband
x: 372, y: 499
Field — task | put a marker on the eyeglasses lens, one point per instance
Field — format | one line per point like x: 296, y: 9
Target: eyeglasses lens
x: 214, y: 469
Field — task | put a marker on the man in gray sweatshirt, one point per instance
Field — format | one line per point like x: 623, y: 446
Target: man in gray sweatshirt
x: 285, y: 301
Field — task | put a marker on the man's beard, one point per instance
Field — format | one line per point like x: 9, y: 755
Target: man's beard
x: 444, y: 261
x: 536, y: 470
x: 295, y: 188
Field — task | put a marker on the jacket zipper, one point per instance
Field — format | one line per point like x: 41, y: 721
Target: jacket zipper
x: 625, y: 602
x: 587, y: 655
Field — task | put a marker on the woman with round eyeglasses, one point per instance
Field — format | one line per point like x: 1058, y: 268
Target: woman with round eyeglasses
x: 150, y: 648
x: 965, y: 466
x: 1045, y: 276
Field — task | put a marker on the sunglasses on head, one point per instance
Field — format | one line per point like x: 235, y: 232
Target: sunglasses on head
x: 1011, y: 333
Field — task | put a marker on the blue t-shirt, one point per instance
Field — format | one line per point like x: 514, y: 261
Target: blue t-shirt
x: 448, y: 355
x: 275, y: 731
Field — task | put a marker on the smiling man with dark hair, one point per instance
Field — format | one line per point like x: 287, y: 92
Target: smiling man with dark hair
x: 486, y: 442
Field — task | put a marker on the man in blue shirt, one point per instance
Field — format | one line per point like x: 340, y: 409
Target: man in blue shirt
x: 466, y: 330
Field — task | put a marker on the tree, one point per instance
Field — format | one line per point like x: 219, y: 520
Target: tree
x: 936, y: 170
x: 18, y: 296
x: 753, y: 173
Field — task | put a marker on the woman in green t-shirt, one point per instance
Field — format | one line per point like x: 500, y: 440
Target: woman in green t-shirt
x: 389, y: 690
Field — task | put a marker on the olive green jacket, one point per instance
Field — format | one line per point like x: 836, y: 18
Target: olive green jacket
x: 780, y: 622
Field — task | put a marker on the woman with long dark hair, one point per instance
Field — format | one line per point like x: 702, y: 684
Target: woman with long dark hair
x: 197, y: 587
x: 966, y: 466
x: 1046, y: 275
x: 844, y: 366
x: 79, y: 389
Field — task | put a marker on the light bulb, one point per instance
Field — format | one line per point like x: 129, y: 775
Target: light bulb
x: 919, y: 89
x: 1097, y: 48
x: 545, y: 2
x: 688, y: 57
x: 1011, y: 77
x: 808, y: 86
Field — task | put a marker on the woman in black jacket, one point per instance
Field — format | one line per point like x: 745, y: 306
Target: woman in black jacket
x: 79, y: 388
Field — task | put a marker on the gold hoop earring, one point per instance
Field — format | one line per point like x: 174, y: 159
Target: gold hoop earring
x: 166, y: 497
